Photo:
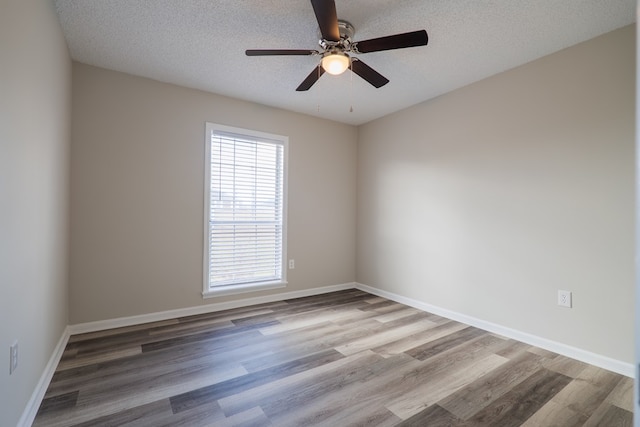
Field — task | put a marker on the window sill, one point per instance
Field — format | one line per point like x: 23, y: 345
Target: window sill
x: 241, y: 289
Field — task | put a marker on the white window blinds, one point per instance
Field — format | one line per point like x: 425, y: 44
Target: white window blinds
x: 245, y: 210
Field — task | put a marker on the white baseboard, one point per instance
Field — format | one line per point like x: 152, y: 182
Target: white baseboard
x: 31, y: 410
x: 120, y: 322
x: 601, y: 361
x: 604, y: 362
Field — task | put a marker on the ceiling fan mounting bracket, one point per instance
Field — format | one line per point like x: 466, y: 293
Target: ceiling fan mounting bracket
x: 346, y: 29
x: 345, y: 44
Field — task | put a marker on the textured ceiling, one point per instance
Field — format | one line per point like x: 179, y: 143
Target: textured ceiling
x: 201, y: 43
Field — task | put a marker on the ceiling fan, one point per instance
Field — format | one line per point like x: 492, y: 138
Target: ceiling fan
x: 336, y: 46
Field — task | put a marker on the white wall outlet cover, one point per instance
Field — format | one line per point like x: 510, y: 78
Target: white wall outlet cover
x: 564, y: 298
x: 13, y: 358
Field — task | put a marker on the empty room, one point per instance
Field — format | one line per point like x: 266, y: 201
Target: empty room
x: 317, y: 213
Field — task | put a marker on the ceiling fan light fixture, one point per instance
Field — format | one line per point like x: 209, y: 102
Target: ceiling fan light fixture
x: 335, y: 63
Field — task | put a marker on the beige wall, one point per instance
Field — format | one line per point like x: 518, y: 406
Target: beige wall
x: 137, y: 165
x: 489, y: 199
x: 35, y: 96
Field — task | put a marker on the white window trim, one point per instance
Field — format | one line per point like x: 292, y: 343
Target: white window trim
x: 245, y: 287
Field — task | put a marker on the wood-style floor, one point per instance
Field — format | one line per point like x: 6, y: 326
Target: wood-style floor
x: 341, y: 359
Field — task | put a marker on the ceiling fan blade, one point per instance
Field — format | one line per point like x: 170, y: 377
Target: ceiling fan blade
x: 272, y: 52
x: 327, y: 17
x: 311, y: 79
x: 368, y: 73
x: 397, y: 41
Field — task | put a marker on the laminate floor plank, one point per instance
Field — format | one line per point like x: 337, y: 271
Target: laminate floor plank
x: 290, y: 345
x: 552, y: 414
x: 346, y: 393
x: 379, y: 338
x: 344, y: 358
x: 622, y: 394
x: 123, y: 371
x: 372, y: 299
x: 444, y: 343
x: 566, y: 366
x: 437, y: 387
x: 587, y: 392
x: 615, y: 416
x: 522, y: 401
x: 307, y: 304
x: 412, y: 318
x: 301, y: 321
x: 514, y: 350
x: 418, y: 339
x: 143, y: 415
x: 96, y: 402
x: 302, y: 387
x: 482, y: 392
x: 241, y: 383
x: 60, y: 402
x: 190, y: 328
x: 383, y: 306
x: 119, y: 331
x: 294, y: 350
x: 217, y: 335
x: 105, y: 356
x: 433, y: 416
x: 253, y: 417
x: 358, y: 414
x: 395, y: 315
x: 542, y: 352
x: 99, y: 345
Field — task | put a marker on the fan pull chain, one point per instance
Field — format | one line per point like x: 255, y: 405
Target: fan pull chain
x: 350, y: 86
x: 317, y: 93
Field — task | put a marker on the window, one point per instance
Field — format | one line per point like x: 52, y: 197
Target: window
x: 245, y: 195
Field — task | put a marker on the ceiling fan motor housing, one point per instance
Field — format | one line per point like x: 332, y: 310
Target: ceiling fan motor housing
x: 345, y: 44
x: 346, y: 29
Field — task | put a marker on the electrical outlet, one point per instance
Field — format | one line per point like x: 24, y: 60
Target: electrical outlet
x: 292, y: 264
x: 13, y: 357
x: 564, y: 298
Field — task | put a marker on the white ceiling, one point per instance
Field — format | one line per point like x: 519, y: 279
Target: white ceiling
x: 200, y: 44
